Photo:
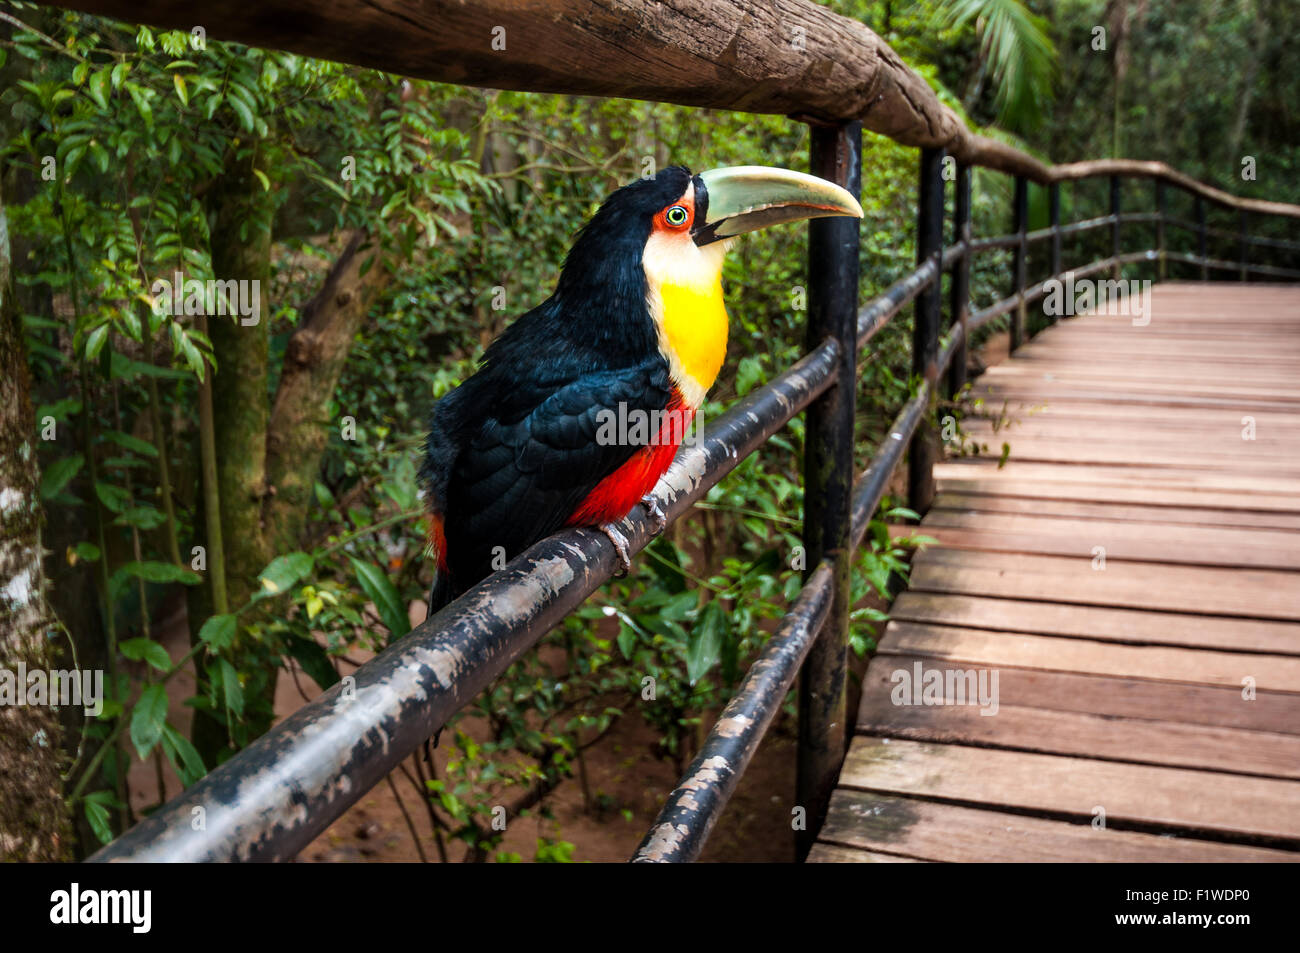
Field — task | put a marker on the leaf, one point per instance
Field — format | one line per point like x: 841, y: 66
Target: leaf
x: 147, y: 719
x: 152, y: 571
x: 219, y: 631
x: 245, y: 113
x: 314, y: 661
x: 141, y: 99
x: 283, y: 571
x: 97, y: 817
x: 706, y: 642
x: 95, y: 341
x: 124, y: 367
x: 191, y: 353
x: 59, y: 410
x: 98, y: 87
x: 402, y: 487
x: 232, y: 691
x: 261, y: 177
x: 179, y: 82
x: 147, y: 650
x: 141, y: 517
x: 113, y: 497
x: 626, y: 641
x: 185, y: 758
x: 59, y: 475
x: 376, y: 584
x: 134, y: 444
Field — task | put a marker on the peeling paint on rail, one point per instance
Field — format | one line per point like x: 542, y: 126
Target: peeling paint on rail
x: 276, y: 796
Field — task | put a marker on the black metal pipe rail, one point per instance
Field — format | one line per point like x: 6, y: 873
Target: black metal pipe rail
x: 276, y: 796
x: 1219, y: 264
x: 697, y: 802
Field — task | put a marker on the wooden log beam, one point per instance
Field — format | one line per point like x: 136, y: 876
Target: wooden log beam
x: 1163, y: 172
x: 789, y: 57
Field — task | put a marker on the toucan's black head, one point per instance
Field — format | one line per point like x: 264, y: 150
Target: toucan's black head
x: 676, y: 218
x: 604, y: 265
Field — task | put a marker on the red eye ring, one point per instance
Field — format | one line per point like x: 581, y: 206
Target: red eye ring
x: 676, y: 216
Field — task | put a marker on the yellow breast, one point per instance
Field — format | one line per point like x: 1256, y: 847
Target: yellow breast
x: 694, y: 331
x: 684, y: 295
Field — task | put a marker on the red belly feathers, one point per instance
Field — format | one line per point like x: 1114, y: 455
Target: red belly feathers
x: 613, y: 497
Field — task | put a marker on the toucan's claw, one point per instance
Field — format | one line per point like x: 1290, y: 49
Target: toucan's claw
x: 619, y: 542
x: 655, y: 512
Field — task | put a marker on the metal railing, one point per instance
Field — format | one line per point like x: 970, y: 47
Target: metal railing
x: 277, y: 795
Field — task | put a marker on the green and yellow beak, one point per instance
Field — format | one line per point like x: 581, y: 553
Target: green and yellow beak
x: 743, y: 198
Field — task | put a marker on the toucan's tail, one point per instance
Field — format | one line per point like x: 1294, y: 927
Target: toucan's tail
x: 442, y: 591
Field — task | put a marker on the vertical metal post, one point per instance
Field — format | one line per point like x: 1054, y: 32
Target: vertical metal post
x: 1020, y: 221
x: 1243, y: 228
x: 924, y: 450
x: 1201, y: 249
x: 1114, y: 225
x: 828, y: 477
x: 1054, y: 212
x: 1161, y: 263
x: 960, y: 289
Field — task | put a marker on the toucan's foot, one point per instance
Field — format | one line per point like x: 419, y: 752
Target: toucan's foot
x: 655, y: 512
x: 619, y: 542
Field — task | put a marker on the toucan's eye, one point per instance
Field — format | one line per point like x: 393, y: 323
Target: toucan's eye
x: 676, y: 215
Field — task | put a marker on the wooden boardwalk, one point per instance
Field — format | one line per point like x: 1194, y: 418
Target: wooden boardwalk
x: 1120, y: 684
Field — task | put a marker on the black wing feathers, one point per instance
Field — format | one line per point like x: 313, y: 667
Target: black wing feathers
x: 509, y: 461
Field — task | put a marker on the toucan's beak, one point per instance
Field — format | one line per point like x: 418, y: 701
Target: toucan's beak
x: 743, y: 198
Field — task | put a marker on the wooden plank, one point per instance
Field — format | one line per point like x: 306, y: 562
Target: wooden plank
x: 1007, y: 725
x: 1277, y: 489
x: 1098, y: 622
x: 1223, y: 454
x: 1190, y: 435
x: 952, y: 501
x: 835, y: 854
x: 1227, y: 442
x: 1123, y: 697
x: 1160, y: 499
x: 1154, y: 662
x: 1248, y: 593
x: 1055, y: 525
x: 951, y: 833
x: 1117, y: 687
x: 1085, y: 411
x: 1276, y: 380
x: 1185, y: 546
x: 1230, y: 805
x: 1150, y: 396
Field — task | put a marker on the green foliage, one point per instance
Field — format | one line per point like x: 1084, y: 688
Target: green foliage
x: 1017, y: 52
x: 472, y: 196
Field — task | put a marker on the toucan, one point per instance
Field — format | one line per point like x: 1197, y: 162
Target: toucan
x: 636, y: 330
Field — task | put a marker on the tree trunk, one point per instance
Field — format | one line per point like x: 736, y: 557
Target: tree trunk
x: 241, y: 249
x: 34, y: 821
x: 313, y: 361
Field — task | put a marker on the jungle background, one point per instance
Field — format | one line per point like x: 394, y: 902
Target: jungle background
x: 228, y: 512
